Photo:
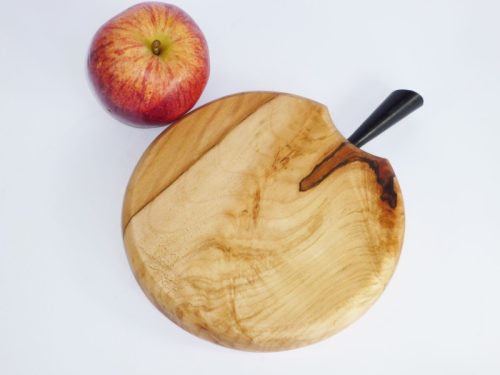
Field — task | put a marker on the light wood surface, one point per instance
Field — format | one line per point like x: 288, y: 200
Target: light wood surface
x: 253, y: 223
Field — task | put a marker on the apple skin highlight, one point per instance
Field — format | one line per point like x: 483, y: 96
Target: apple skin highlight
x: 149, y: 64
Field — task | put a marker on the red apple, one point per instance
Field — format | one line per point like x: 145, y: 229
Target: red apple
x: 149, y: 64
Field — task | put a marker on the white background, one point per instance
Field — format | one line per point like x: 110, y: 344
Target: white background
x: 68, y: 301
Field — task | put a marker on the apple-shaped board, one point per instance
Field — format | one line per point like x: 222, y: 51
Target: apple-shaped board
x: 149, y: 64
x: 253, y: 223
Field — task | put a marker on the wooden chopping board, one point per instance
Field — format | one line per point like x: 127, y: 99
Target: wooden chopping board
x: 253, y: 223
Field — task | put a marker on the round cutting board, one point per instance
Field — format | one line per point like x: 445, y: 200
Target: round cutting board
x: 253, y: 223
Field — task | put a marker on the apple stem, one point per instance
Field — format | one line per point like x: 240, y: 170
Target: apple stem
x: 156, y: 45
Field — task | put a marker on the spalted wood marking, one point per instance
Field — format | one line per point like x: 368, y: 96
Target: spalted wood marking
x: 254, y: 224
x: 347, y: 153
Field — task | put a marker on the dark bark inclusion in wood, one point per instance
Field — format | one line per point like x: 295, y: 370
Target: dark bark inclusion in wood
x: 345, y: 154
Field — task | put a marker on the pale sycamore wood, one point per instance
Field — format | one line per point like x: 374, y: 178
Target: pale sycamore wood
x: 253, y: 223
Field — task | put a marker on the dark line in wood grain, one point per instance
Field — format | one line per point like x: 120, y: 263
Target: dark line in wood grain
x: 217, y: 142
x: 345, y: 154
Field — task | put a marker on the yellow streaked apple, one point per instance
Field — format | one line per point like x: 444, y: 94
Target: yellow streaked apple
x: 149, y: 64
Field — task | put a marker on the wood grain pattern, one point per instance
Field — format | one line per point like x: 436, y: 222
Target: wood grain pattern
x: 253, y: 223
